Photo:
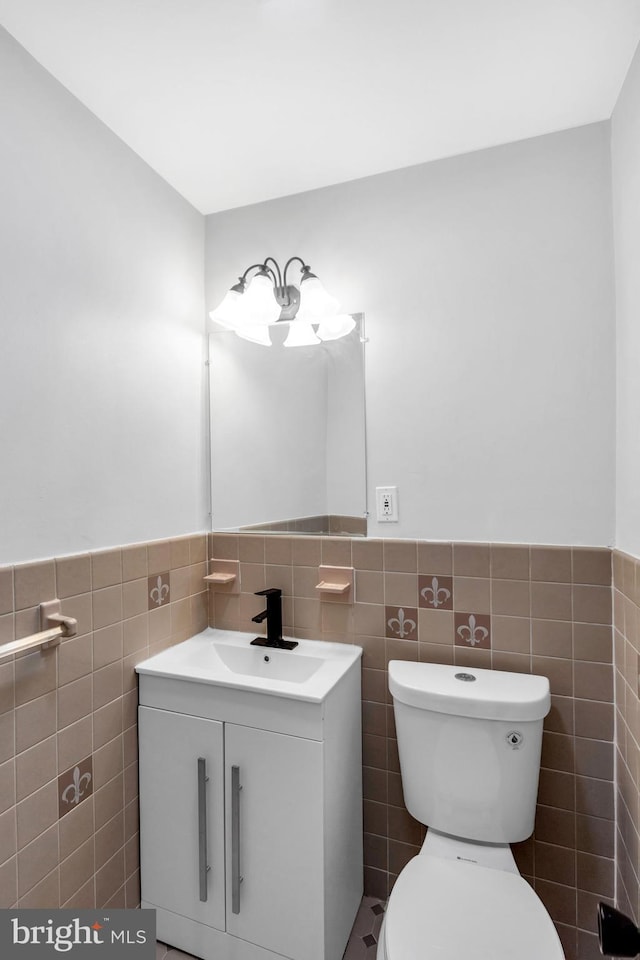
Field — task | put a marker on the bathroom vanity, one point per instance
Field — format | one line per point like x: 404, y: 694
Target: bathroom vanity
x: 250, y: 797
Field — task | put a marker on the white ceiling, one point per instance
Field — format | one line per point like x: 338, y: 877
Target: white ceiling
x: 237, y: 101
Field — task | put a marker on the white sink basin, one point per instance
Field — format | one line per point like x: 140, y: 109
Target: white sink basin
x: 226, y: 658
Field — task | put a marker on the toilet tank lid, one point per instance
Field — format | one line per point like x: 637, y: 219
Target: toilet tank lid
x: 467, y: 692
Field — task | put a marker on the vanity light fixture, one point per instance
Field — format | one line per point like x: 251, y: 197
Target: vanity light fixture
x: 265, y: 298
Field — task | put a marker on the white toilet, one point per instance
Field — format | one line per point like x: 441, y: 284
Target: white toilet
x: 469, y: 743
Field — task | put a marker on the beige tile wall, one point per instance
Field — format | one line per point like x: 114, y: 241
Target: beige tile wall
x: 626, y: 619
x: 544, y: 610
x: 74, y: 706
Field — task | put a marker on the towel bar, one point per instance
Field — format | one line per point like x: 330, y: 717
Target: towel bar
x: 55, y: 626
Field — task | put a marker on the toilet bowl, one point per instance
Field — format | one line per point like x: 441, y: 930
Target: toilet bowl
x: 469, y: 745
x: 453, y: 909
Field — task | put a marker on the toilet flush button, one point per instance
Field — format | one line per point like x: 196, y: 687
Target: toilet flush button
x: 464, y: 676
x: 514, y: 739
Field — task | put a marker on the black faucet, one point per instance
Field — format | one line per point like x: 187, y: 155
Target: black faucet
x: 273, y: 616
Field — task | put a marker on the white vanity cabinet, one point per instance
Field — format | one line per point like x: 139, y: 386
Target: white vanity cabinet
x: 250, y: 817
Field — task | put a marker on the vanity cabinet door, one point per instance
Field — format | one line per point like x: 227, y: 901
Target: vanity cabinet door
x: 176, y: 803
x: 275, y: 841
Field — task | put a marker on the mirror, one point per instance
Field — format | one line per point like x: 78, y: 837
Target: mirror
x: 287, y: 430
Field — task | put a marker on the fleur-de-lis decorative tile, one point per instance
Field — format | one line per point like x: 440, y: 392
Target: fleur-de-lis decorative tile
x: 401, y: 623
x: 435, y: 592
x: 473, y: 630
x: 158, y: 590
x: 75, y: 785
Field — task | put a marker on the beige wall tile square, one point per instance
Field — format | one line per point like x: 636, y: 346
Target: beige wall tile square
x: 107, y: 684
x: 560, y: 717
x: 400, y: 589
x: 594, y: 719
x: 592, y: 604
x: 135, y: 634
x: 251, y: 549
x: 511, y: 662
x: 34, y: 583
x: 73, y: 575
x: 400, y: 556
x: 107, y: 762
x: 373, y: 652
x: 179, y: 552
x: 592, y: 641
x: 435, y: 558
x: 37, y: 859
x: 276, y: 550
x: 7, y: 784
x: 135, y: 597
x: 6, y: 590
x: 336, y: 551
x: 593, y: 758
x: 552, y: 638
x: 181, y: 617
x: 509, y: 562
x: 593, y: 681
x: 107, y: 606
x: 75, y: 828
x: 592, y: 565
x: 198, y: 548
x: 471, y: 560
x: 75, y: 742
x: 109, y: 839
x: 37, y: 813
x: 159, y: 557
x: 551, y: 601
x: 472, y: 595
x: 225, y: 546
x: 595, y: 797
x: 75, y: 658
x: 180, y: 579
x: 436, y: 626
x: 35, y: 675
x: 108, y: 801
x: 107, y: 723
x: 44, y: 895
x: 134, y: 562
x: 559, y: 672
x: 510, y: 597
x: 200, y: 612
x: 74, y: 701
x: 367, y: 554
x: 551, y: 564
x: 33, y: 768
x: 35, y: 721
x: 107, y: 645
x: 160, y: 622
x: 279, y: 576
x: 110, y: 878
x: 435, y: 652
x: 77, y: 870
x: 511, y: 634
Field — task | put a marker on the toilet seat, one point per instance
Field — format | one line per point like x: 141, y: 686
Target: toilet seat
x: 448, y: 910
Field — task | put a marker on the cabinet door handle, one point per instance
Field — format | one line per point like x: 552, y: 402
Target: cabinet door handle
x: 203, y: 867
x: 236, y: 879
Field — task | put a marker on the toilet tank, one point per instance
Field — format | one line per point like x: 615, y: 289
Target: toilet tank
x: 469, y: 743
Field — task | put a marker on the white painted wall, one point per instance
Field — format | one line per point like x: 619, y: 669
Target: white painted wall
x: 625, y: 150
x: 102, y: 332
x: 487, y: 285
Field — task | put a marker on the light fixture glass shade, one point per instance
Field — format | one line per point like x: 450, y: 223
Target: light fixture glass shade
x: 332, y: 328
x: 259, y: 305
x: 301, y: 334
x: 227, y: 311
x: 255, y: 333
x: 315, y: 302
